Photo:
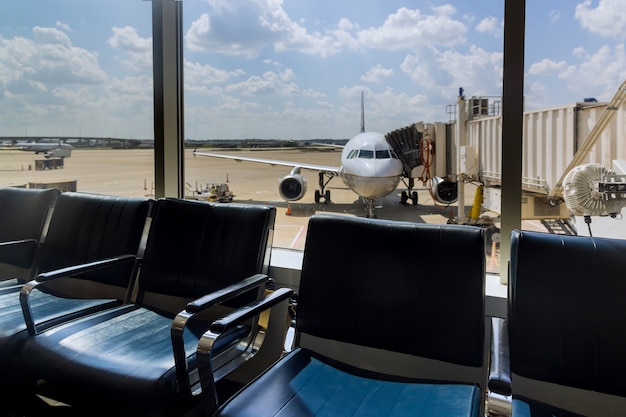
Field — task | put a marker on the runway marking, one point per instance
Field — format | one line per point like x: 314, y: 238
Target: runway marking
x: 295, y: 240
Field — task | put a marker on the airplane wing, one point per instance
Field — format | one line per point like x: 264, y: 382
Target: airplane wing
x: 329, y: 145
x: 328, y: 170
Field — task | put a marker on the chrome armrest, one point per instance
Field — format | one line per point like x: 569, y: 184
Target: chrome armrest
x: 80, y: 269
x: 28, y: 288
x: 246, y: 312
x: 198, y: 306
x: 500, y: 368
x: 222, y: 326
x: 227, y: 293
x: 17, y: 242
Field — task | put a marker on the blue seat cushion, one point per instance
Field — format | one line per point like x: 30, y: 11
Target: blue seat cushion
x: 47, y: 309
x: 529, y: 408
x: 12, y: 283
x: 305, y: 384
x: 123, y: 353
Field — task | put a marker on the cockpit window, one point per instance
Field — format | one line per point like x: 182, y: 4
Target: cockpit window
x: 371, y: 154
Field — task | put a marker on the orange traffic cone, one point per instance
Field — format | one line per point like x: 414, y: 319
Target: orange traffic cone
x: 288, y: 213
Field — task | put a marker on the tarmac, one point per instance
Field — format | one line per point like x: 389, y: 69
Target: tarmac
x: 130, y: 172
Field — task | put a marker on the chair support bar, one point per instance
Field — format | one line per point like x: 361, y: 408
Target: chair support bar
x: 198, y: 306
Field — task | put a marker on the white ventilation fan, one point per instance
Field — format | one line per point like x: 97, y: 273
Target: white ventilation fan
x: 593, y: 190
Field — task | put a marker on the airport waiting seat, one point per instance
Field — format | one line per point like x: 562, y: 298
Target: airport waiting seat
x: 139, y: 359
x: 23, y: 216
x: 562, y: 351
x: 389, y: 322
x: 85, y: 263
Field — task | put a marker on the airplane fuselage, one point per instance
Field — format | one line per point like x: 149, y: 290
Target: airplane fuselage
x: 38, y: 147
x: 370, y: 167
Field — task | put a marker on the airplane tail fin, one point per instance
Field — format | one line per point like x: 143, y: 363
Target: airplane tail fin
x: 362, y: 113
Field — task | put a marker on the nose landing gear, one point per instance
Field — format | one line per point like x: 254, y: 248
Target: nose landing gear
x: 404, y: 197
x: 322, y: 193
x: 325, y: 196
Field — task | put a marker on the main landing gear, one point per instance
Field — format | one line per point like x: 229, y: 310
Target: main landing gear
x: 322, y: 193
x: 409, y: 193
x: 404, y: 197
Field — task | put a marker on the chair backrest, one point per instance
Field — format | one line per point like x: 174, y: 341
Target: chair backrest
x: 88, y: 227
x: 567, y: 314
x: 23, y: 215
x: 23, y: 212
x: 414, y: 289
x: 195, y: 248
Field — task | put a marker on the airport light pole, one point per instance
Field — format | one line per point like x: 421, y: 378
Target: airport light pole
x: 169, y: 137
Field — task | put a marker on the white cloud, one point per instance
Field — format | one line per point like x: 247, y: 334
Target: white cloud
x: 208, y: 74
x: 233, y: 29
x: 410, y: 29
x: 490, y: 25
x: 248, y: 26
x: 137, y: 49
x: 555, y: 16
x: 602, y: 72
x: 128, y: 39
x: 270, y: 83
x: 547, y: 67
x: 608, y: 18
x: 541, y: 95
x: 376, y: 74
x: 272, y: 62
x: 49, y: 58
x: 580, y: 52
x: 64, y: 26
x: 51, y: 36
x: 477, y: 70
x: 51, y: 85
x: 420, y: 71
x: 309, y: 92
x: 389, y: 107
x: 296, y: 38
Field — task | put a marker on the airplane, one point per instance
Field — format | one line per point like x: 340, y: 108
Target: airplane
x: 40, y: 147
x: 369, y: 167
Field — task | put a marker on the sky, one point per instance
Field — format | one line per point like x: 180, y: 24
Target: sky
x: 293, y: 69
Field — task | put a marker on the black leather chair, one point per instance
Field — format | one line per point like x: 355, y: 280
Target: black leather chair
x: 390, y: 321
x: 565, y: 327
x: 139, y: 359
x: 23, y: 215
x: 85, y: 264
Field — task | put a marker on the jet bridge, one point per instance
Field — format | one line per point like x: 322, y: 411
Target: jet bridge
x: 406, y: 144
x: 416, y: 147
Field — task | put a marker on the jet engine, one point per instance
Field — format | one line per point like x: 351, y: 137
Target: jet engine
x: 593, y: 190
x: 293, y: 186
x: 443, y: 191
